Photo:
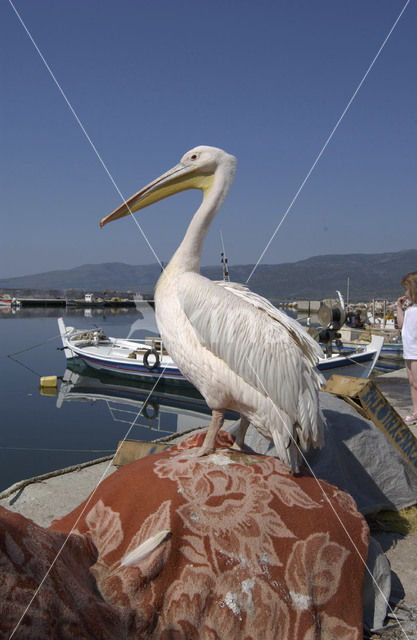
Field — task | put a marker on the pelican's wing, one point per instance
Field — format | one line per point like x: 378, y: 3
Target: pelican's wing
x: 265, y: 347
x: 308, y: 345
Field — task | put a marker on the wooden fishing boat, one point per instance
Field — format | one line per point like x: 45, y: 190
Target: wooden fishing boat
x: 146, y: 359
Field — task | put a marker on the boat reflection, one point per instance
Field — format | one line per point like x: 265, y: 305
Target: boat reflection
x: 165, y: 411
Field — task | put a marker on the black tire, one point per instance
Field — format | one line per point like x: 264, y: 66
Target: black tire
x: 155, y: 354
x: 150, y: 410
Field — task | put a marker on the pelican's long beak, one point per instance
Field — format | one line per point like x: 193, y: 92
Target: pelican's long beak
x: 179, y: 178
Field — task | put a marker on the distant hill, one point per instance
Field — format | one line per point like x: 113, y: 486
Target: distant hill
x: 370, y: 276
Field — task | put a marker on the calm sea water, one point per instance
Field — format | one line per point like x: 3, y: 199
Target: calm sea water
x: 83, y: 421
x: 91, y: 413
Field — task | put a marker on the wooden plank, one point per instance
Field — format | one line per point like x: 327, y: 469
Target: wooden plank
x: 390, y: 422
x: 365, y: 396
x: 345, y: 385
x: 130, y: 450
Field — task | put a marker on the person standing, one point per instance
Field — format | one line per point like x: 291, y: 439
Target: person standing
x: 407, y: 322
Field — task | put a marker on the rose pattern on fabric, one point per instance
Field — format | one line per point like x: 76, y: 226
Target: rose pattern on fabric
x: 222, y: 510
x: 68, y: 604
x: 112, y: 577
x: 331, y: 628
x: 304, y: 573
x: 253, y: 552
x: 248, y: 605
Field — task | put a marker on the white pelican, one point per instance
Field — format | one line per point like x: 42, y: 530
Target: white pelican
x: 240, y: 351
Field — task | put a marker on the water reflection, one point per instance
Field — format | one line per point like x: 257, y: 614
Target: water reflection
x: 164, y: 411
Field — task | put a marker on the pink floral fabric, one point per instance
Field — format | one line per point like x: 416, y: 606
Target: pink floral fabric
x: 225, y: 546
x: 46, y: 588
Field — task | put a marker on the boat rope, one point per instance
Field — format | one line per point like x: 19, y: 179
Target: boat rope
x: 353, y: 361
x: 11, y: 356
x: 34, y: 346
x: 330, y: 504
x: 333, y: 131
x: 25, y: 366
x: 80, y: 124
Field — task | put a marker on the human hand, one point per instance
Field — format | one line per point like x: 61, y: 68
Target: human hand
x: 401, y: 301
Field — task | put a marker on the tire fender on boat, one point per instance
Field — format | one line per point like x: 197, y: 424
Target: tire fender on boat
x: 146, y: 362
x: 150, y: 410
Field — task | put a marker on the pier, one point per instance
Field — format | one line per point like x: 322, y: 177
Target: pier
x: 63, y: 302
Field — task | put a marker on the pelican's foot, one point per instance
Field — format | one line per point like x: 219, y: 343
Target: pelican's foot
x: 204, y: 450
x: 209, y: 444
x: 240, y: 433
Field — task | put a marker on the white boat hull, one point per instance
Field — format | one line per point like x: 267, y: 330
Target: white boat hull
x: 118, y: 356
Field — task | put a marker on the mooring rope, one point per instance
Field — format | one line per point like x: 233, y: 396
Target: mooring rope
x: 33, y: 346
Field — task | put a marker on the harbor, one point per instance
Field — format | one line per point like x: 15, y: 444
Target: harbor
x: 193, y: 450
x: 141, y: 411
x: 50, y: 496
x: 33, y: 350
x: 100, y: 423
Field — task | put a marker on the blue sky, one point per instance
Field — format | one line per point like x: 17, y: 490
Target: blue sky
x: 266, y: 81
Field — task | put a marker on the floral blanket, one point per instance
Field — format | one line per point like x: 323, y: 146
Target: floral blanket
x: 229, y: 546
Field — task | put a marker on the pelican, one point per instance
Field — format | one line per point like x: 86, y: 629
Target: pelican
x: 234, y: 346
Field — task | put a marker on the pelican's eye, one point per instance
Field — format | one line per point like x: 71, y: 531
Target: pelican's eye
x: 194, y: 156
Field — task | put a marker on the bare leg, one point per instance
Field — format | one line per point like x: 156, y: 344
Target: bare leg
x: 240, y: 433
x: 412, y: 378
x: 209, y: 444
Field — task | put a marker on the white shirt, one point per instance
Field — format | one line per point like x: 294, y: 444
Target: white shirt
x: 409, y: 333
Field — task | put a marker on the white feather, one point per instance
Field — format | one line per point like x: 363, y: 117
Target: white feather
x: 134, y: 557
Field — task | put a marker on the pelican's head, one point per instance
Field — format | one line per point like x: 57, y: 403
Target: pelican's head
x: 196, y: 170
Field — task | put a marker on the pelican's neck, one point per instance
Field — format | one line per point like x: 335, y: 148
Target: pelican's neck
x: 188, y: 255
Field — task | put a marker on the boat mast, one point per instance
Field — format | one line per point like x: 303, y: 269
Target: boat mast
x: 223, y: 260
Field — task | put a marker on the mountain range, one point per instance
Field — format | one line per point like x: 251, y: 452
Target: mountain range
x: 369, y: 276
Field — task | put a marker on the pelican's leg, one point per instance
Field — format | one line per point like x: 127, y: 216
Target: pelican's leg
x: 240, y: 433
x: 209, y: 444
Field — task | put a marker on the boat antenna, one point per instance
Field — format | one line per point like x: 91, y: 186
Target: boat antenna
x: 224, y: 261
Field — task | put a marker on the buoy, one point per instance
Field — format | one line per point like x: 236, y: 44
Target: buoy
x: 49, y: 381
x: 48, y: 385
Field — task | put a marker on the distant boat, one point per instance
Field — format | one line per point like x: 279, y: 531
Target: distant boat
x: 359, y: 362
x: 5, y: 302
x: 389, y: 351
x: 352, y: 339
x: 148, y: 359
